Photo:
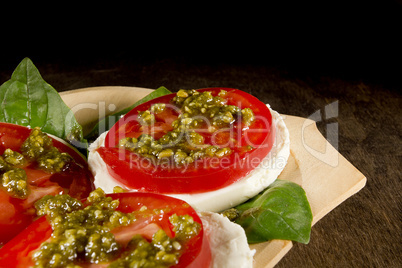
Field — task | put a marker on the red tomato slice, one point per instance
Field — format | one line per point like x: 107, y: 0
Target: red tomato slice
x: 15, y: 213
x: 207, y: 174
x: 18, y: 252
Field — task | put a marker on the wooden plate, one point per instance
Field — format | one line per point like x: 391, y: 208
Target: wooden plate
x: 326, y: 176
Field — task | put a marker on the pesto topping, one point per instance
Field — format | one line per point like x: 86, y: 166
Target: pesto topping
x: 82, y: 233
x: 52, y: 160
x: 196, y: 104
x: 247, y: 115
x: 36, y: 144
x: 184, y: 226
x: 162, y: 251
x: 146, y: 118
x: 205, y: 106
x: 13, y: 158
x: 231, y: 213
x: 183, y: 145
x: 158, y: 107
x: 38, y: 147
x: 14, y: 181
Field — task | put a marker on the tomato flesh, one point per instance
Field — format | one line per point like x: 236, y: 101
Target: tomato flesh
x: 207, y: 174
x: 15, y: 213
x: 18, y: 252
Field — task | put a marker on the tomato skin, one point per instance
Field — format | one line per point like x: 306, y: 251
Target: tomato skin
x: 9, y: 214
x: 208, y: 174
x: 75, y: 180
x: 18, y: 252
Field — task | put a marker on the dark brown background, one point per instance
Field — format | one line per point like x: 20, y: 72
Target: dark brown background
x: 351, y: 55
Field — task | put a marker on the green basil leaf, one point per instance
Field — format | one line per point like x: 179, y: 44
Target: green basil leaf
x: 26, y: 99
x: 282, y: 211
x: 106, y: 123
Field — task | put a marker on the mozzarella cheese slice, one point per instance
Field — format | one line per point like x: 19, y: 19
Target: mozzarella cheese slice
x: 228, y: 242
x: 221, y: 199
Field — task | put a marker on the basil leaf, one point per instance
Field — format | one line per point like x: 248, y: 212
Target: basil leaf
x: 106, y: 123
x: 27, y: 100
x: 282, y: 211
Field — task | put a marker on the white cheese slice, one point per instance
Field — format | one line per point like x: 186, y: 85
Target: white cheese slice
x: 228, y: 242
x: 221, y: 199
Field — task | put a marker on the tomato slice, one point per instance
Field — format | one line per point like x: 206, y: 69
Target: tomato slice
x: 15, y: 213
x: 18, y: 252
x: 206, y: 174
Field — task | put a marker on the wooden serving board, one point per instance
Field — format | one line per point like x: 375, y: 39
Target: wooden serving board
x: 326, y: 176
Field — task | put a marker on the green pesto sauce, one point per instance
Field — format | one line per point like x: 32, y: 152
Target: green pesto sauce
x: 14, y: 181
x: 162, y: 251
x: 81, y: 233
x: 183, y: 145
x: 38, y: 148
x: 231, y: 213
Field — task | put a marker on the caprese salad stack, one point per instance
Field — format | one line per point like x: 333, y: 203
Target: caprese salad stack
x: 214, y: 148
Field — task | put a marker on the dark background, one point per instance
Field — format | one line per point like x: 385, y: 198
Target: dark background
x: 297, y: 58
